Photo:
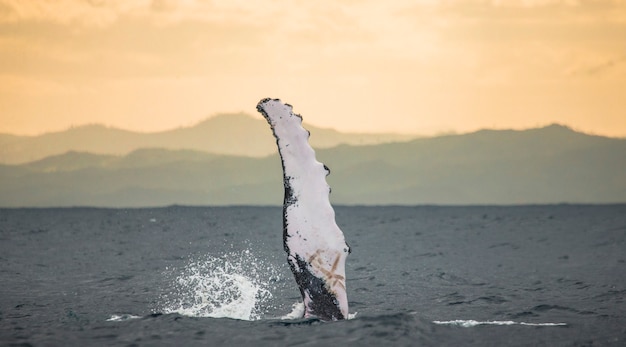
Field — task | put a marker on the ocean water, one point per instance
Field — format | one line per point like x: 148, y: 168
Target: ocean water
x: 205, y: 276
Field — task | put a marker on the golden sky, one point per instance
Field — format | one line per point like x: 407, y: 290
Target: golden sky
x: 420, y: 66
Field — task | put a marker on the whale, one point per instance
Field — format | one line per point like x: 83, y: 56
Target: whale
x: 315, y: 245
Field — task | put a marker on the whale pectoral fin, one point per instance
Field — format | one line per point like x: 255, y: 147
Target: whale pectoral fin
x: 312, y: 239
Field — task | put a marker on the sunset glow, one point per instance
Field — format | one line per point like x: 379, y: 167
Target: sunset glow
x: 424, y: 67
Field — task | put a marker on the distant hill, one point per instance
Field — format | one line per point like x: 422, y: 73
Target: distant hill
x: 546, y: 165
x: 228, y: 134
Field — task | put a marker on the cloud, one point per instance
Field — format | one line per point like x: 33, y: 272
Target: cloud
x: 99, y: 13
x: 119, y: 39
x: 599, y: 66
x: 89, y: 13
x: 534, y: 3
x: 606, y: 66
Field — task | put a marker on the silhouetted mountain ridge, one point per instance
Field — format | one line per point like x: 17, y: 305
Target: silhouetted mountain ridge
x: 547, y: 165
x: 145, y: 157
x: 228, y: 134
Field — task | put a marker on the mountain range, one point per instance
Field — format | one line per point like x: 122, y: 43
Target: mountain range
x: 553, y: 164
x: 228, y: 134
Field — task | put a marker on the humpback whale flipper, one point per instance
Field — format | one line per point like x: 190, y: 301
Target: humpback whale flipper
x: 315, y: 246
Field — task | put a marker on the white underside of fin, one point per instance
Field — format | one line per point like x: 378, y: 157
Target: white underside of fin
x: 312, y: 237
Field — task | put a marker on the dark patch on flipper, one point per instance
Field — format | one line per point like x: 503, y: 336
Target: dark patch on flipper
x: 324, y: 304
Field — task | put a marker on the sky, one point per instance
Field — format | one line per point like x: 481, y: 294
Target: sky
x: 421, y: 66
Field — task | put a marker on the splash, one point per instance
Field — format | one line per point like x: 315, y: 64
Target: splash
x: 297, y: 312
x: 235, y: 285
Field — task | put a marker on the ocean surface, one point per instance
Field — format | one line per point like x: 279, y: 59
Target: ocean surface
x: 207, y: 276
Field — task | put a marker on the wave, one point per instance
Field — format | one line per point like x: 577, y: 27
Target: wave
x: 472, y: 323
